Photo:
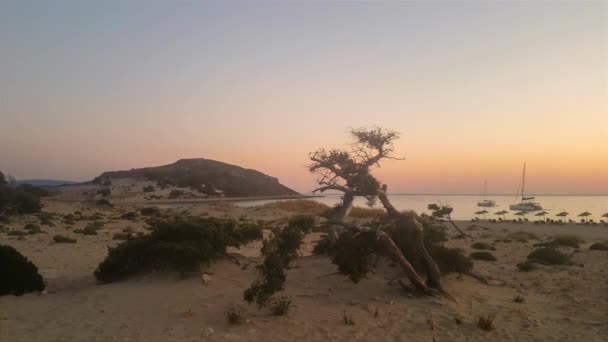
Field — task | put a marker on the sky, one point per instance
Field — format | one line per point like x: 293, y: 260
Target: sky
x: 474, y: 87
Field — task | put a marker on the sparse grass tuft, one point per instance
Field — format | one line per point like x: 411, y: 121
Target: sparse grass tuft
x: 568, y: 240
x: 519, y: 299
x: 347, y: 318
x: 235, y: 314
x: 483, y: 246
x: 63, y: 239
x: 281, y: 306
x: 486, y: 322
x: 486, y: 256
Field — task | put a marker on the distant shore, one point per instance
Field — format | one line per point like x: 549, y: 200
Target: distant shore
x: 222, y: 199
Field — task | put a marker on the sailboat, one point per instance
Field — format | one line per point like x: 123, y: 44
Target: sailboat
x: 526, y: 203
x: 485, y: 202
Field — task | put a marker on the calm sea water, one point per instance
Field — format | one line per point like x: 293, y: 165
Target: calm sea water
x: 466, y: 205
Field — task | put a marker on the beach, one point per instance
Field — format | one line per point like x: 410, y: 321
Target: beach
x: 562, y: 303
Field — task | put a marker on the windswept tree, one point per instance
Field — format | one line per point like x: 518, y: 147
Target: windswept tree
x: 349, y: 171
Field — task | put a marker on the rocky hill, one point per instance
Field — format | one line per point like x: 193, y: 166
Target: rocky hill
x: 207, y: 176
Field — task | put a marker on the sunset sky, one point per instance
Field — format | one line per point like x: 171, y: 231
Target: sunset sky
x: 475, y: 88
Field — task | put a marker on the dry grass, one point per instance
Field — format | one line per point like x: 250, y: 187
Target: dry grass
x: 300, y: 206
x: 359, y: 212
x: 486, y: 322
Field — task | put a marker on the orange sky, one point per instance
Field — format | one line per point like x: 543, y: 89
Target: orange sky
x: 475, y: 89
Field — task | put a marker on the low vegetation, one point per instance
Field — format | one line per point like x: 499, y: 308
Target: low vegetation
x: 63, y: 239
x: 235, y: 314
x: 278, y: 253
x: 18, y: 275
x: 599, y: 246
x: 485, y: 322
x: 485, y: 256
x: 527, y: 266
x: 549, y: 256
x: 483, y: 246
x: 178, y: 244
x: 19, y: 199
x: 522, y: 236
x: 281, y: 306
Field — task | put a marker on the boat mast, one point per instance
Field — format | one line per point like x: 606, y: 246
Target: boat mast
x: 523, y: 182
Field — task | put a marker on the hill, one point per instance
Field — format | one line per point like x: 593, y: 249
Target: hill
x: 208, y: 177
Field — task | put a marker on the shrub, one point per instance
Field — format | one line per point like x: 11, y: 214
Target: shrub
x: 568, y: 240
x: 18, y: 275
x: 149, y: 211
x: 519, y: 299
x: 234, y: 314
x: 486, y: 322
x: 599, y: 246
x: 121, y: 236
x: 483, y: 246
x: 176, y: 194
x: 17, y: 233
x: 177, y: 244
x: 526, y: 266
x: 129, y: 216
x: 281, y: 306
x: 33, y: 228
x: 63, y: 239
x: 102, y: 202
x: 45, y: 219
x: 149, y: 188
x: 451, y: 260
x: 105, y: 192
x: 278, y: 252
x: 26, y: 200
x: 486, y: 256
x: 549, y: 256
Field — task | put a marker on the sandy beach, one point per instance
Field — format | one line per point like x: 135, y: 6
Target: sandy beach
x: 562, y: 303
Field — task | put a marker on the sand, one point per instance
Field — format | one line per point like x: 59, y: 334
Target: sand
x: 563, y: 303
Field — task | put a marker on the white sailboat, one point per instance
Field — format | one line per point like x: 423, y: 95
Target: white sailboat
x: 485, y: 202
x: 526, y: 204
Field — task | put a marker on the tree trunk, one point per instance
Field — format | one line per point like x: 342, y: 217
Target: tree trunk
x: 408, y: 221
x: 395, y: 253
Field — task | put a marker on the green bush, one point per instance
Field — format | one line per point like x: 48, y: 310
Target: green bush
x: 483, y: 246
x: 178, y: 244
x: 486, y: 256
x: 63, y: 239
x: 18, y: 275
x: 235, y: 314
x: 149, y: 188
x: 549, y: 256
x: 279, y: 252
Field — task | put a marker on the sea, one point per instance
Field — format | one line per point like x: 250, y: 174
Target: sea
x: 465, y: 206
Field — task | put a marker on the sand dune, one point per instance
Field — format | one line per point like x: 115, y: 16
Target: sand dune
x: 566, y: 303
